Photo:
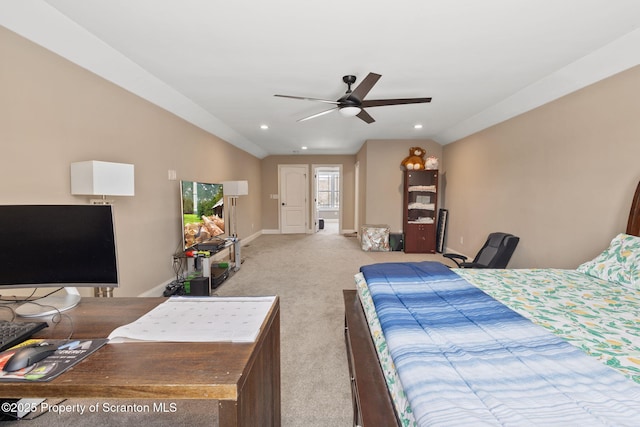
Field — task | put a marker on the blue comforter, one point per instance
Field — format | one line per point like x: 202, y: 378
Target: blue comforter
x: 466, y: 359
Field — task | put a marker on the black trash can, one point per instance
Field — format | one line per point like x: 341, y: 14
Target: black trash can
x: 396, y: 241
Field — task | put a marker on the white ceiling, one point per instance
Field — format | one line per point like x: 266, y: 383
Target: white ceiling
x: 218, y: 63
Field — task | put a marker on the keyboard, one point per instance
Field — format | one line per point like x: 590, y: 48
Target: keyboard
x: 13, y: 333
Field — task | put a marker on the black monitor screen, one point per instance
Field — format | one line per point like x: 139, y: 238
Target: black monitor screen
x: 57, y: 245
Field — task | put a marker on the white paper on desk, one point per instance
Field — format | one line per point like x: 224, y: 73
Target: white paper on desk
x: 199, y: 319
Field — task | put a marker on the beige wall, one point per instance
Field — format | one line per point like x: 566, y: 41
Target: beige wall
x: 53, y: 113
x: 270, y: 207
x: 383, y: 176
x: 561, y: 176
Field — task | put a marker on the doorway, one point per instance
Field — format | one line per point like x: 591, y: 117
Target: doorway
x: 327, y: 198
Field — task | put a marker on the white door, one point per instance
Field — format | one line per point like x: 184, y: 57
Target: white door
x: 294, y: 209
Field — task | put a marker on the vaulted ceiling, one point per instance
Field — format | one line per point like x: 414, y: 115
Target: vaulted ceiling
x: 218, y: 64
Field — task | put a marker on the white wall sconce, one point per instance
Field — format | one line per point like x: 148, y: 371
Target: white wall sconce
x: 96, y: 178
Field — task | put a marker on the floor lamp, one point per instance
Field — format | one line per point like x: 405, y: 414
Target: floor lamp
x: 233, y: 189
x: 95, y: 178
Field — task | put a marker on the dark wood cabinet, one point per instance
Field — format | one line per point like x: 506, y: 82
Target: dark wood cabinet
x: 420, y: 207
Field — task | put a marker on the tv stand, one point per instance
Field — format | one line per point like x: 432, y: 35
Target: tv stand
x: 233, y: 243
x: 205, y: 265
x: 49, y: 305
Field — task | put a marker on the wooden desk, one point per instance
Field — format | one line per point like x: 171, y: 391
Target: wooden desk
x: 243, y: 377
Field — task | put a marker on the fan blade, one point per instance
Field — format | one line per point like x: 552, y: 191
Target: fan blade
x: 322, y: 113
x: 363, y: 88
x: 364, y: 116
x: 308, y: 99
x: 399, y: 101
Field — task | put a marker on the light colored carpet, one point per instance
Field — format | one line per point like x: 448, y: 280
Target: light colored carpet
x: 308, y: 273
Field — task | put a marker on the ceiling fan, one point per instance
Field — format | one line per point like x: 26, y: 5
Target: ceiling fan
x: 352, y: 103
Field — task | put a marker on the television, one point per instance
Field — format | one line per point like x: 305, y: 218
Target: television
x: 202, y: 216
x: 63, y: 246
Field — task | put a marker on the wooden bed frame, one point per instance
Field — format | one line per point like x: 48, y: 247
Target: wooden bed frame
x: 372, y: 404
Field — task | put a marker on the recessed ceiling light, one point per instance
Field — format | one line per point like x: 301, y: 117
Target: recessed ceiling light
x: 265, y: 127
x: 304, y: 148
x: 418, y: 126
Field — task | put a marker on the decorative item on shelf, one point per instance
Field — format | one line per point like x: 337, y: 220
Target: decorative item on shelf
x: 233, y: 189
x: 415, y: 159
x: 431, y: 163
x: 96, y: 178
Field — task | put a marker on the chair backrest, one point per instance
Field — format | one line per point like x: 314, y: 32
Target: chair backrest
x: 497, y: 250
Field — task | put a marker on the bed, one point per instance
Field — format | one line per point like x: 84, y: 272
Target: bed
x: 429, y: 345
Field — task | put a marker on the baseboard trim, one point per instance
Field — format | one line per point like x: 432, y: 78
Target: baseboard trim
x: 156, y: 291
x: 248, y: 239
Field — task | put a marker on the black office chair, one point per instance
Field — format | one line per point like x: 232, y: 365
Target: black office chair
x: 495, y: 253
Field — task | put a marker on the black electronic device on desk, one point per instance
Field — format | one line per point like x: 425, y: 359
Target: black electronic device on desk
x: 13, y: 333
x: 27, y: 356
x: 56, y: 246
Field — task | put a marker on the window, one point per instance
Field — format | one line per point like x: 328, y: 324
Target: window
x: 328, y: 190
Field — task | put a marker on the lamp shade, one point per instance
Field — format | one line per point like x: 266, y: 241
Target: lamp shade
x: 235, y: 188
x: 97, y: 178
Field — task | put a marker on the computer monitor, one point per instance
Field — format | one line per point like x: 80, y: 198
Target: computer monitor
x: 63, y: 246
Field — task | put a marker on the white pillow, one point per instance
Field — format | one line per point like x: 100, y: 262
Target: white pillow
x: 619, y: 263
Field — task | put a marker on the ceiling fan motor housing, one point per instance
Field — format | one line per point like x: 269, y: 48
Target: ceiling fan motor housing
x: 349, y: 101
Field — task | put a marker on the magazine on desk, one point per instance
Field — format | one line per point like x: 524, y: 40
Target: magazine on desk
x: 199, y: 319
x: 68, y: 354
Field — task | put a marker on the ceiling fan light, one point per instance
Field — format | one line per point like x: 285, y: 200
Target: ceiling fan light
x: 350, y: 111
